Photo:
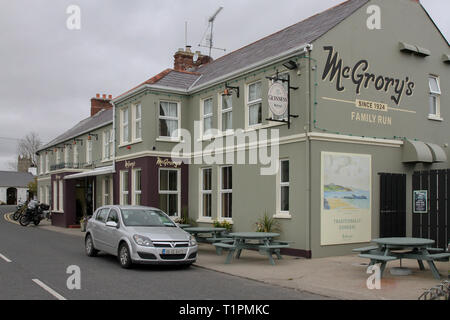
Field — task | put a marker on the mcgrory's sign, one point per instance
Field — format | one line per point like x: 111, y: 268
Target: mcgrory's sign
x: 360, y: 76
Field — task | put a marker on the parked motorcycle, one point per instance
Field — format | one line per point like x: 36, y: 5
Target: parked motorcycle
x: 34, y: 213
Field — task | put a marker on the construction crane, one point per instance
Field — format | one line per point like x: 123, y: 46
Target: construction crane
x: 209, y: 37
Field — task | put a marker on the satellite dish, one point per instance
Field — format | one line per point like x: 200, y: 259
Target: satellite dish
x: 195, y: 58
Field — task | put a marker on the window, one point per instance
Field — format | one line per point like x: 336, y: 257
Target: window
x: 41, y: 163
x: 137, y: 187
x: 434, y: 98
x: 124, y: 187
x: 47, y: 195
x: 284, y: 186
x: 207, y: 114
x: 206, y: 191
x: 66, y: 156
x: 61, y: 196
x: 137, y: 130
x: 76, y: 157
x: 168, y: 118
x: 113, y: 216
x: 284, y: 76
x: 226, y: 191
x: 101, y: 215
x: 107, y: 191
x: 254, y: 104
x: 169, y: 192
x: 124, y: 126
x: 107, y: 144
x: 227, y: 113
x: 55, y: 195
x: 58, y: 156
x: 89, y: 151
x: 41, y: 195
x: 47, y: 163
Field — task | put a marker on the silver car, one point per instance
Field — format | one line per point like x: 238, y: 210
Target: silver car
x: 137, y: 234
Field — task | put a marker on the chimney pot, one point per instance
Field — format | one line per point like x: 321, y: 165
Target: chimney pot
x: 98, y: 95
x: 104, y: 96
x: 110, y: 97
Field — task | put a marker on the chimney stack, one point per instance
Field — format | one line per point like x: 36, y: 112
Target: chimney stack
x: 98, y: 104
x: 184, y: 59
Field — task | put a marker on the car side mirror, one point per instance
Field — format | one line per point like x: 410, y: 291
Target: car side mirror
x: 112, y: 224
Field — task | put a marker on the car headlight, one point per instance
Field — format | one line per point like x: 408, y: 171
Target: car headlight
x: 142, y: 241
x: 192, y: 241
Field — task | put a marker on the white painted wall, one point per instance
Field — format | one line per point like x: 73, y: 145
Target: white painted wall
x: 3, y: 194
x: 21, y: 194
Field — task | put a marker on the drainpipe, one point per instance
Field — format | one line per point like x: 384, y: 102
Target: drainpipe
x: 308, y: 152
x: 114, y: 131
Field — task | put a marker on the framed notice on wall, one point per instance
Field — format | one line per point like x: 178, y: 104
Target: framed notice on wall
x: 420, y: 201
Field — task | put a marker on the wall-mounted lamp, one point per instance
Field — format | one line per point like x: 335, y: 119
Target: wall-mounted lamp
x: 77, y: 140
x: 92, y: 134
x: 291, y: 65
x: 229, y: 90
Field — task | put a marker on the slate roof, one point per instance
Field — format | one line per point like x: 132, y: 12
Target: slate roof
x: 101, y: 118
x: 177, y: 79
x: 15, y: 179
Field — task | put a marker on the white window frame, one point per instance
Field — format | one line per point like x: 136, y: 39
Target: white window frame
x: 41, y: 163
x: 177, y: 192
x: 221, y: 113
x: 177, y: 118
x: 58, y: 156
x: 224, y: 191
x: 76, y: 156
x: 135, y: 191
x: 107, y: 192
x: 282, y: 213
x: 60, y: 196
x: 55, y: 196
x: 66, y: 156
x: 106, y: 153
x: 88, y: 152
x: 47, y: 163
x: 205, y: 192
x: 137, y: 123
x: 122, y: 184
x: 47, y: 195
x: 204, y: 116
x: 124, y: 126
x: 249, y: 103
x: 437, y: 96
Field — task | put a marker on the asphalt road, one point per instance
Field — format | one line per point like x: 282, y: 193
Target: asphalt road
x: 40, y: 258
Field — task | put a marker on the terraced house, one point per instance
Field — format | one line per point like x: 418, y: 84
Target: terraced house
x: 352, y: 104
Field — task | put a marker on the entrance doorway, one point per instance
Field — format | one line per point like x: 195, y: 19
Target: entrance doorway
x: 392, y: 205
x: 84, y: 198
x: 11, y: 196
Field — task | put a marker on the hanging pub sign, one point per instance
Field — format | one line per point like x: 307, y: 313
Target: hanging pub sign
x: 278, y: 99
x: 420, y: 204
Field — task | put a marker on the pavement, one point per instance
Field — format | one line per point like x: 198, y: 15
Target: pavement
x: 342, y: 277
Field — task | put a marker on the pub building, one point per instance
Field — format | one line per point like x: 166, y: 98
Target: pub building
x: 359, y: 100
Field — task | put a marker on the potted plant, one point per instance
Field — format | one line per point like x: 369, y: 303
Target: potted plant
x: 267, y: 224
x: 83, y: 223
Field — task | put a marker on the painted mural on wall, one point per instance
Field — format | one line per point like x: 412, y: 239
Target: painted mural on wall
x: 346, y: 198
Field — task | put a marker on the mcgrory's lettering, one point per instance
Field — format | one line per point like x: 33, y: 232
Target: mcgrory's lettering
x: 361, y: 78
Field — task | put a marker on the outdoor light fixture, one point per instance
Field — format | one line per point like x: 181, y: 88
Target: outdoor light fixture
x: 92, y: 134
x: 229, y: 90
x: 291, y: 65
x: 77, y: 140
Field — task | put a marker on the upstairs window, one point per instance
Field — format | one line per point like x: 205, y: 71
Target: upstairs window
x: 76, y: 157
x: 207, y: 114
x: 89, y: 151
x: 124, y: 132
x: 137, y: 132
x: 168, y: 119
x: 434, y: 97
x: 254, y: 104
x: 66, y: 156
x: 227, y: 113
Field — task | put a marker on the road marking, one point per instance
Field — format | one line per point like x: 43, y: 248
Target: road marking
x: 48, y: 289
x: 4, y: 258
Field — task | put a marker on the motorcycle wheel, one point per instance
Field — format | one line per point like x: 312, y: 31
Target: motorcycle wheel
x: 24, y: 221
x: 36, y: 222
x: 17, y: 215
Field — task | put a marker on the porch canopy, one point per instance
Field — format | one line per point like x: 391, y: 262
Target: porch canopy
x: 95, y: 172
x: 418, y: 151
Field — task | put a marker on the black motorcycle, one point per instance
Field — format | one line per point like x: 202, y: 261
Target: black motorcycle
x: 35, y: 213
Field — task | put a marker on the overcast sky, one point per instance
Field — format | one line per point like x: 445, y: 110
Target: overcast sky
x: 48, y: 73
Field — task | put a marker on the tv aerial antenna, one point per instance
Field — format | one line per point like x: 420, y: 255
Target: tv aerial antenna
x: 209, y: 36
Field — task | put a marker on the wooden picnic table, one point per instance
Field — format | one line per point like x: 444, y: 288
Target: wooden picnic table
x: 261, y: 241
x: 389, y: 249
x: 196, y: 231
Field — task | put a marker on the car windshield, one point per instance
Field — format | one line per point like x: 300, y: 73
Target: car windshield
x: 146, y: 218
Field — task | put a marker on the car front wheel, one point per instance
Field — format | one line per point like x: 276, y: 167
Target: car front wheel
x: 89, y: 246
x: 124, y: 256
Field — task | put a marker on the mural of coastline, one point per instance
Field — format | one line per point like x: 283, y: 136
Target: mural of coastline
x: 346, y: 198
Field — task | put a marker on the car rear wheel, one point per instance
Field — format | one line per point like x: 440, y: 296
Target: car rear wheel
x: 124, y: 256
x: 89, y: 246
